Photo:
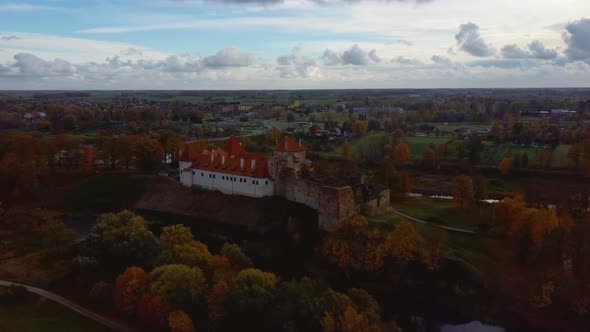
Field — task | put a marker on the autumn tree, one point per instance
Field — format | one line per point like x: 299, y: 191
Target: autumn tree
x: 274, y: 135
x: 148, y: 153
x: 401, y: 154
x: 404, y: 183
x: 543, y: 157
x: 353, y: 245
x: 179, y: 247
x: 360, y: 128
x: 248, y: 299
x: 128, y: 289
x: 179, y: 321
x: 151, y: 312
x: 178, y: 285
x: 506, y: 164
x: 346, y: 150
x: 462, y: 190
x: 215, y: 300
x: 433, y: 251
x: 230, y: 261
x: 404, y: 242
x: 429, y: 158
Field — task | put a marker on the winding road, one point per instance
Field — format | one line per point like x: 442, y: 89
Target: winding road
x: 108, y: 322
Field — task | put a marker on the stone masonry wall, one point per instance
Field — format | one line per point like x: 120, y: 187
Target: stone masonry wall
x: 333, y: 204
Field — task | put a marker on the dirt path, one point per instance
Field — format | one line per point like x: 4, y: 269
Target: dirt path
x: 108, y: 322
x: 452, y: 229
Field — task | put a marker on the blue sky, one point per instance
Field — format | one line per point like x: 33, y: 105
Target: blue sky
x: 267, y: 44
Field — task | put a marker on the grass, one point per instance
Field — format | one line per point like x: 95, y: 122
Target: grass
x: 106, y: 192
x: 417, y: 144
x: 473, y: 249
x: 41, y: 315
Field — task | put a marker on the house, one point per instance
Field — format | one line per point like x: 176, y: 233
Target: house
x: 361, y: 110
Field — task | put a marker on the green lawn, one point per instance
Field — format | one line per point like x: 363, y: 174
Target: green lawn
x: 442, y: 212
x: 41, y: 315
x: 417, y: 144
x: 106, y: 192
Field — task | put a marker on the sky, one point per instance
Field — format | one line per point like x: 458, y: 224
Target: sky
x: 293, y: 44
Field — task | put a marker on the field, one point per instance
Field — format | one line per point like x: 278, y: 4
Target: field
x: 41, y: 315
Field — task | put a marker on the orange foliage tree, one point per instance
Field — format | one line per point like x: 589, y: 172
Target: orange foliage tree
x: 179, y: 321
x: 401, y: 154
x: 462, y: 189
x: 506, y: 164
x: 151, y: 312
x: 352, y: 244
x: 404, y: 242
x: 128, y: 289
x: 429, y: 158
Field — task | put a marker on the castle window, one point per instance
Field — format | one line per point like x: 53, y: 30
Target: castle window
x: 202, y: 174
x: 194, y: 172
x: 266, y: 182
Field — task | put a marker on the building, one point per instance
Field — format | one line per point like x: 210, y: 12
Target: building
x: 286, y: 173
x: 231, y: 170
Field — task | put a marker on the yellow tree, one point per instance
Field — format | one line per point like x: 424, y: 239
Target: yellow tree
x: 462, y: 189
x: 401, y: 154
x: 179, y: 321
x: 404, y: 242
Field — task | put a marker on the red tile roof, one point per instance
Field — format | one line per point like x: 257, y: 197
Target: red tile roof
x: 233, y: 147
x: 289, y: 145
x: 233, y: 165
x: 234, y: 159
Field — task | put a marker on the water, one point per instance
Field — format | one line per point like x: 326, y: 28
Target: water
x: 475, y: 326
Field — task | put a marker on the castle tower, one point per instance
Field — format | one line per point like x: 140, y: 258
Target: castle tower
x: 289, y: 158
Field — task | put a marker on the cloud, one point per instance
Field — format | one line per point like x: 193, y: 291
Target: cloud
x: 539, y: 51
x: 230, y: 57
x: 536, y: 50
x: 352, y: 56
x: 22, y: 7
x: 9, y: 37
x: 402, y: 60
x: 441, y: 60
x: 470, y: 41
x: 29, y: 65
x: 296, y: 64
x: 514, y: 52
x: 577, y: 39
x: 317, y: 2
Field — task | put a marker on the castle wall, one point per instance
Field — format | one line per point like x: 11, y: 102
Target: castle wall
x: 378, y: 205
x: 333, y: 204
x: 228, y: 183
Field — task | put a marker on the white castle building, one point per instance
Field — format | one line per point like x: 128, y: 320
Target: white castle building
x: 235, y: 171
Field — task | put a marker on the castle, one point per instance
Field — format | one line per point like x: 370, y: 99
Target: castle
x: 287, y: 173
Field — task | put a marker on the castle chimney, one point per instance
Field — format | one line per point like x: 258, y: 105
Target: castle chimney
x: 300, y: 143
x: 253, y: 163
x: 241, y: 162
x: 286, y: 147
x: 223, y: 160
x: 212, y: 156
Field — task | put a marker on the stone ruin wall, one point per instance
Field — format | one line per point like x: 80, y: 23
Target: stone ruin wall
x: 333, y: 204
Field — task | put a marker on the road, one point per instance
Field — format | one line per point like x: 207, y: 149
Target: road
x: 116, y: 326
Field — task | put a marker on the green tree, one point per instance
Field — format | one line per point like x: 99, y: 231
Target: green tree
x: 178, y: 285
x: 120, y: 240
